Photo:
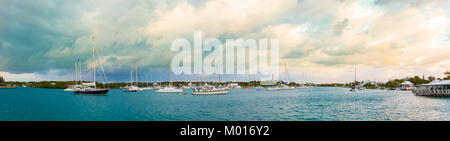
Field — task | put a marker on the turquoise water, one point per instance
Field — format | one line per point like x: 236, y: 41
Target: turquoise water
x: 314, y: 104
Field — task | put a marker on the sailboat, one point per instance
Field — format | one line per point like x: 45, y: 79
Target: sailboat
x: 132, y: 87
x: 354, y: 85
x: 211, y: 89
x: 286, y: 85
x: 271, y: 85
x: 170, y: 88
x: 249, y: 87
x: 76, y: 86
x: 148, y: 87
x: 91, y: 88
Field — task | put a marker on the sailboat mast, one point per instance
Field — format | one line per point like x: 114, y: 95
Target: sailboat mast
x: 76, y: 73
x: 80, y: 74
x: 131, y: 76
x: 170, y: 69
x: 137, y: 83
x: 93, y: 58
x: 286, y: 73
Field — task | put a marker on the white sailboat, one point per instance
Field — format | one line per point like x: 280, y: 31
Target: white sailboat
x: 76, y: 86
x: 281, y: 86
x: 132, y: 87
x: 210, y: 89
x: 148, y: 87
x: 170, y: 88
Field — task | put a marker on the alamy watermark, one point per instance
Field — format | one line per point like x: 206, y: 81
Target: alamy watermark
x: 236, y: 56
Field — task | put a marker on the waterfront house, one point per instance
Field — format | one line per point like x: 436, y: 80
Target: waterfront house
x: 406, y: 85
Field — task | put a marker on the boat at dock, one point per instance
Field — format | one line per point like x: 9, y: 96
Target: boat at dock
x: 436, y: 88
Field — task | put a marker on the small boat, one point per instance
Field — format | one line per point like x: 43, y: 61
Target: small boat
x: 209, y: 91
x: 281, y: 87
x: 147, y: 88
x: 353, y: 89
x: 78, y: 80
x: 286, y: 87
x: 169, y: 89
x: 181, y: 93
x: 132, y: 88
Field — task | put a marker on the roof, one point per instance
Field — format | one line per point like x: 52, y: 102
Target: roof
x: 406, y: 83
x: 435, y: 83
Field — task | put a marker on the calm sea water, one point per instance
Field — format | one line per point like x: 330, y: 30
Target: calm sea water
x: 314, y: 104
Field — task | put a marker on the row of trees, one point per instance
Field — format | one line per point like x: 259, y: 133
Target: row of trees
x: 416, y: 80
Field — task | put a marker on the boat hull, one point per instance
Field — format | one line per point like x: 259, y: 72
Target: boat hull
x: 210, y: 93
x: 169, y: 91
x: 92, y: 92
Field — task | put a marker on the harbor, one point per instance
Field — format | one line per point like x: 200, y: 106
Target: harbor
x: 225, y: 60
x: 313, y: 104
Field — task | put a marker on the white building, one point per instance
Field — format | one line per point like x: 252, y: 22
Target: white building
x: 406, y: 85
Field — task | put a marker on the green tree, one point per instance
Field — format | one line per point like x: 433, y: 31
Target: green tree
x: 431, y: 78
x: 369, y: 86
x: 2, y: 79
x: 416, y: 80
x: 394, y: 83
x: 448, y: 75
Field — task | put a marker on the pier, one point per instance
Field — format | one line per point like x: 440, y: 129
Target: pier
x: 438, y: 89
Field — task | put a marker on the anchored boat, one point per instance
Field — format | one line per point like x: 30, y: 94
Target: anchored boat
x: 132, y: 87
x: 91, y: 88
x: 209, y: 90
x: 170, y: 88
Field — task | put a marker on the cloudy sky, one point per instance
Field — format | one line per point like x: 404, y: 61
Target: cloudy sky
x: 321, y: 41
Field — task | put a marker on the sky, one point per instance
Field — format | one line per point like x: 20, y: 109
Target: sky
x: 320, y: 41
